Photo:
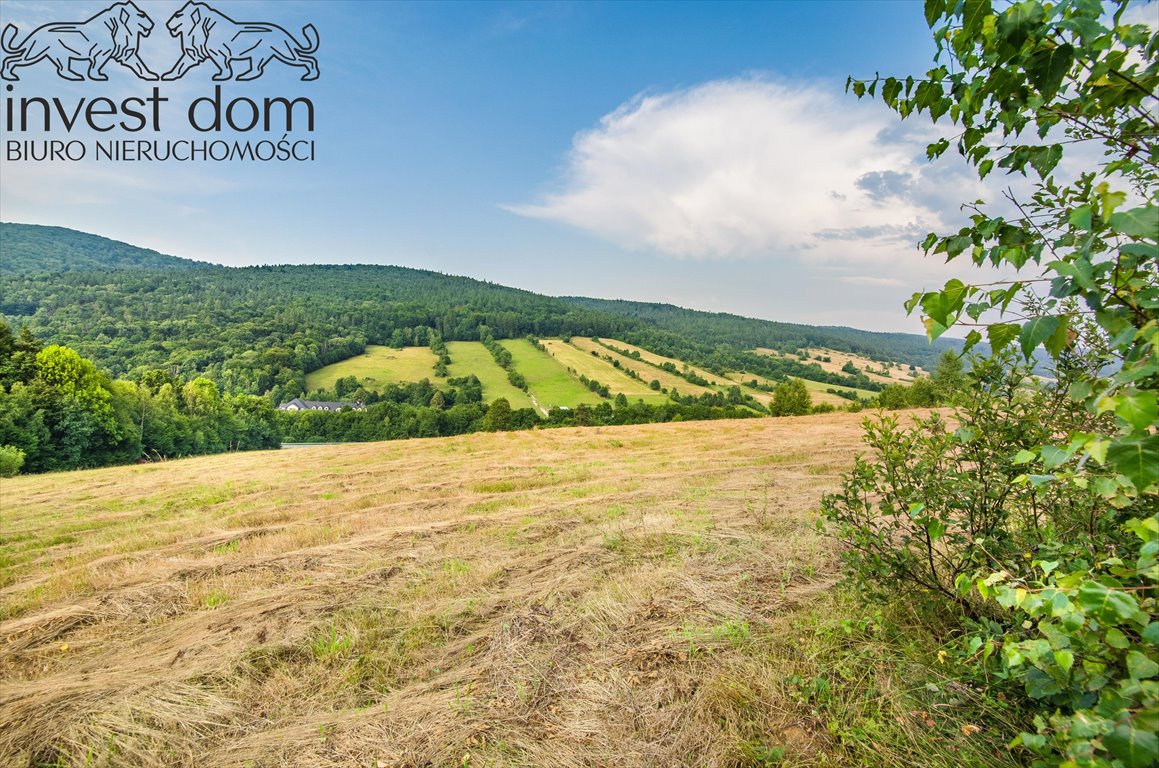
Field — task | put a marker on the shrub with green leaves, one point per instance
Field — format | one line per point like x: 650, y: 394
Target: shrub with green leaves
x: 1041, y: 528
x: 11, y: 460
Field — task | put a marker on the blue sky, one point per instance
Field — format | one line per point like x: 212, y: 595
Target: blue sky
x: 702, y: 154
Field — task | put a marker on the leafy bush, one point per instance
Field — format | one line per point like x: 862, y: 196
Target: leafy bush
x: 1035, y: 519
x: 11, y: 460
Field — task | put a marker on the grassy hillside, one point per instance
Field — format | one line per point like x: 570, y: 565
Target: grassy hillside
x: 636, y: 596
x: 553, y: 376
x: 377, y: 366
x: 260, y: 330
x: 570, y: 356
x: 708, y: 328
x: 883, y: 373
x: 471, y: 357
x: 549, y: 383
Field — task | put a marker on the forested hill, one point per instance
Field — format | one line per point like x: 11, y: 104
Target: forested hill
x: 32, y: 248
x: 712, y: 328
x: 259, y: 330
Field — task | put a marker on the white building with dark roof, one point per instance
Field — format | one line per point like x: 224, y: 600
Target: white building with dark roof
x: 298, y: 404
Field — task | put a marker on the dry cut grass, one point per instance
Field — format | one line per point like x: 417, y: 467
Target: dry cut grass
x: 634, y: 596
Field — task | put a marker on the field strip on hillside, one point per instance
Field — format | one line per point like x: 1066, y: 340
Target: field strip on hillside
x: 818, y: 390
x: 743, y: 378
x: 625, y: 596
x: 652, y: 357
x: 547, y: 380
x: 377, y: 367
x: 646, y: 372
x: 839, y: 359
x: 471, y: 357
x: 601, y: 370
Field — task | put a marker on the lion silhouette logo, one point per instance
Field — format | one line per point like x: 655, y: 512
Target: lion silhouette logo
x: 111, y: 35
x: 208, y: 34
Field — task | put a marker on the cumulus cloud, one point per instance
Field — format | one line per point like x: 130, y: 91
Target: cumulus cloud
x: 754, y: 168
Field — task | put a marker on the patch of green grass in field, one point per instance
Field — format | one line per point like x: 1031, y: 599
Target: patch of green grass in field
x: 549, y: 381
x: 469, y: 357
x: 377, y: 367
x: 599, y: 369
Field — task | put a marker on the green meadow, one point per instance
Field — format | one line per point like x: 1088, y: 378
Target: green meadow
x: 548, y: 381
x: 377, y: 367
x: 471, y: 357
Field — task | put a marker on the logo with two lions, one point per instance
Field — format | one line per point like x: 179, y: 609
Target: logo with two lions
x: 114, y: 34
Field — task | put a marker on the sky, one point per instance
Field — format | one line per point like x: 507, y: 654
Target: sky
x: 701, y: 154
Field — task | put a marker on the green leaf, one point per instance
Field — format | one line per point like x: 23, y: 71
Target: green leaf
x: 1116, y: 639
x: 1142, y: 223
x: 1136, y: 748
x: 1151, y: 633
x: 1024, y: 456
x: 1137, y: 460
x: 1140, y: 667
x: 1032, y: 741
x: 1036, y: 332
x: 1052, y: 456
x: 974, y: 13
x: 1001, y: 334
x: 934, y: 10
x: 890, y: 90
x: 1080, y: 217
x: 1018, y: 21
x: 1106, y: 604
x: 1060, y: 339
x: 1064, y: 659
x: 1139, y: 409
x: 1046, y: 68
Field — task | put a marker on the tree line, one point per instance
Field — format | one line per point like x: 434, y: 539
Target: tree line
x: 59, y: 411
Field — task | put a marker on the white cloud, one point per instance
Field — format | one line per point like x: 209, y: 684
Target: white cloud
x: 752, y: 168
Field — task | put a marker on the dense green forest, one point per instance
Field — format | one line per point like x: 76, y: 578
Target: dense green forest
x: 258, y: 330
x: 59, y: 411
x: 32, y: 248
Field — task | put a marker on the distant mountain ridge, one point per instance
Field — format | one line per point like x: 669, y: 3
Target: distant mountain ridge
x: 32, y: 248
x: 750, y: 332
x: 261, y: 329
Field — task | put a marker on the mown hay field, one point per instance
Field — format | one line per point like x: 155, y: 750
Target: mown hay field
x: 656, y: 359
x: 625, y: 596
x: 896, y: 373
x: 646, y: 372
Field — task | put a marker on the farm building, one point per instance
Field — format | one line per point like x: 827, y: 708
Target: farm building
x: 298, y: 404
